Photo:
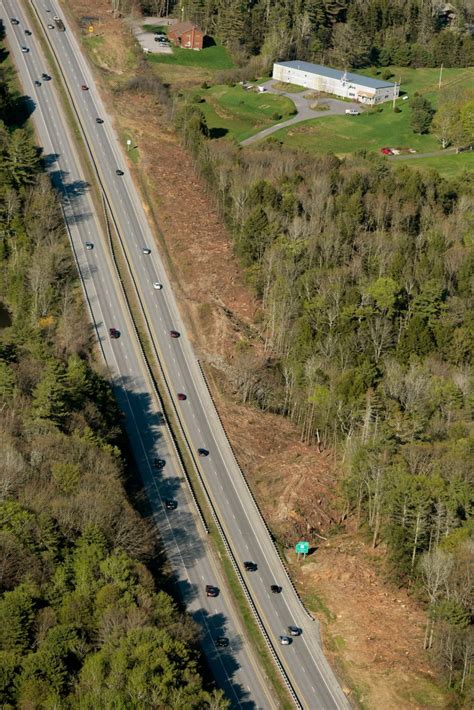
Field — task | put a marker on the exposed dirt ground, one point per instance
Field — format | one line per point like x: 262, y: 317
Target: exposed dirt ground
x: 373, y: 632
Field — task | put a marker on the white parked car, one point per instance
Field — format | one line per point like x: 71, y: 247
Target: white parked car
x: 352, y: 112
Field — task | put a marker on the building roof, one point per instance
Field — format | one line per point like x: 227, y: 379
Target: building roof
x: 336, y: 74
x: 179, y: 27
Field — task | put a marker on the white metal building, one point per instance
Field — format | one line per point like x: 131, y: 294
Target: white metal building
x: 334, y: 81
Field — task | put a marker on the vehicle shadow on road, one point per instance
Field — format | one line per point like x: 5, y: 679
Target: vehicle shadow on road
x: 223, y: 661
x: 177, y: 529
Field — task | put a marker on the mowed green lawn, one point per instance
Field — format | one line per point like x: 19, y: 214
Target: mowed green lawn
x: 238, y: 113
x: 214, y: 57
x: 448, y: 165
x: 346, y: 134
x: 372, y: 131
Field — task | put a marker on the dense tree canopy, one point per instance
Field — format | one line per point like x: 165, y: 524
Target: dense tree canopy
x: 346, y: 33
x: 364, y: 272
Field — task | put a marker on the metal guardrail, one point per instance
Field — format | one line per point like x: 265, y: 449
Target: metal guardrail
x: 283, y: 563
x: 107, y: 206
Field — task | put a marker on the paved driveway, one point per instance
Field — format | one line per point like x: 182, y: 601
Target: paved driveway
x: 302, y: 101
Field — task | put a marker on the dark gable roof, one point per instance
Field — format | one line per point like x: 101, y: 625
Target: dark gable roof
x: 337, y: 74
x: 180, y: 27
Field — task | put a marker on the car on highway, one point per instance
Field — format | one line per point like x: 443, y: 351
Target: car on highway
x: 114, y: 333
x: 250, y: 566
x: 14, y: 21
x: 295, y: 630
x: 203, y: 452
x: 211, y: 591
x: 25, y: 50
x: 89, y: 245
x: 222, y: 642
x: 84, y: 87
x: 119, y: 172
x: 285, y: 640
x: 157, y: 285
x: 37, y: 82
x: 159, y: 463
x: 28, y: 33
x: 171, y: 504
x: 146, y: 250
x: 45, y: 77
x: 174, y: 333
x: 50, y: 26
x: 275, y: 589
x: 99, y: 120
x: 181, y: 396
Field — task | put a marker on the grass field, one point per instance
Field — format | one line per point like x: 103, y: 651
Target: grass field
x: 448, y: 166
x: 156, y: 28
x: 215, y: 57
x: 236, y: 113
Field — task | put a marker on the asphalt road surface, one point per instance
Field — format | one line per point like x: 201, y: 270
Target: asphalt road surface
x: 311, y: 676
x: 180, y: 530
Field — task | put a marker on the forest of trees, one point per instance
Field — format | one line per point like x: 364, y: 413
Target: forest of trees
x: 83, y: 621
x: 343, y: 33
x: 364, y: 272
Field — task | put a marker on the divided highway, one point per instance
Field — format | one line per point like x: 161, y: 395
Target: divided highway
x: 311, y: 677
x: 182, y: 534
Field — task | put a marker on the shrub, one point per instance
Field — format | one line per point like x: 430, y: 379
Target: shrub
x: 276, y: 116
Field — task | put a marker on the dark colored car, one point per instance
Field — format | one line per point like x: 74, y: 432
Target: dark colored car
x: 285, y: 640
x: 250, y: 566
x: 181, y: 396
x: 295, y: 630
x: 89, y: 246
x: 99, y: 120
x: 14, y: 21
x: 45, y: 77
x: 28, y: 32
x: 159, y: 463
x: 37, y: 82
x: 222, y: 642
x: 275, y: 589
x: 211, y: 591
x: 114, y: 333
x: 174, y: 334
x: 203, y: 452
x: 171, y: 504
x: 119, y: 172
x: 84, y: 87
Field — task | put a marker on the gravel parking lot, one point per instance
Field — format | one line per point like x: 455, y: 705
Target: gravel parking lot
x: 147, y: 39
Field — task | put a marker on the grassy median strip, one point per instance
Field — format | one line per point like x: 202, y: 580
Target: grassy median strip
x: 267, y: 665
x: 253, y: 632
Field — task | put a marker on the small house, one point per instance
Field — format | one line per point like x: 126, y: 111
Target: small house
x: 187, y: 35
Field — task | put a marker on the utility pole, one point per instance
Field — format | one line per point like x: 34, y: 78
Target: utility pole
x: 440, y: 76
x: 396, y: 91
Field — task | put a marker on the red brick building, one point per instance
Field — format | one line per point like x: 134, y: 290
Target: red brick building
x: 186, y: 34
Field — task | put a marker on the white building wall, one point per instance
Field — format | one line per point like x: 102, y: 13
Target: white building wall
x: 319, y: 82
